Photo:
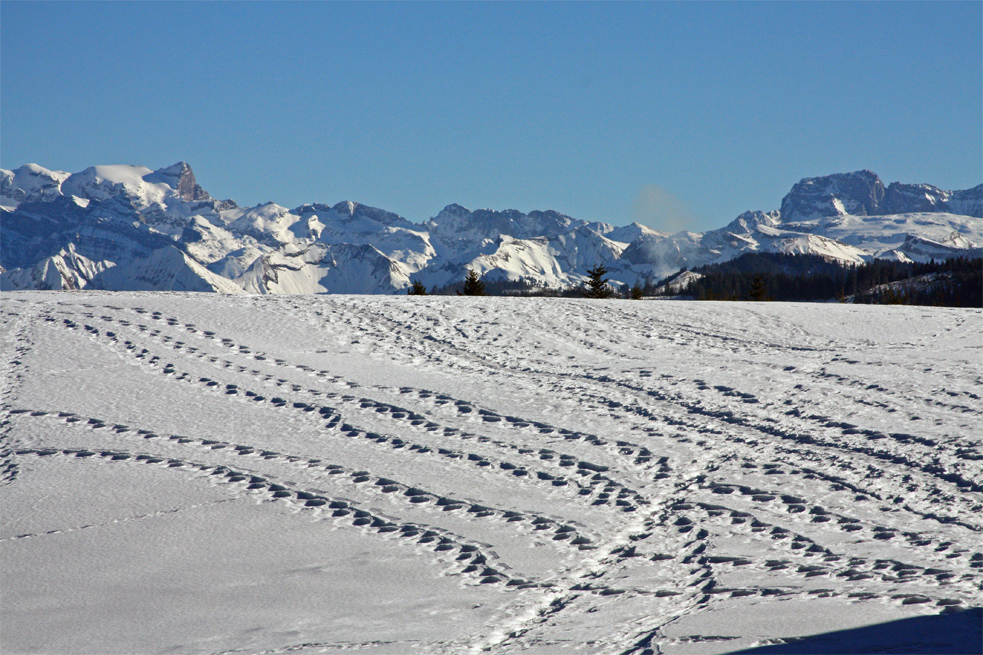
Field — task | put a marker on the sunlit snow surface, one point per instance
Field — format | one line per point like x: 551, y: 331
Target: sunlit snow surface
x: 211, y: 474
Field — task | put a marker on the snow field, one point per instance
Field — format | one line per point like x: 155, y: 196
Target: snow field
x: 397, y: 474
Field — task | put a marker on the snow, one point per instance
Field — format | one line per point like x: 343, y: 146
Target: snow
x: 729, y: 474
x: 679, y: 283
x: 411, y: 248
x: 103, y: 182
x: 169, y: 176
x: 34, y: 181
x: 65, y: 270
x: 168, y: 268
x: 320, y: 268
x: 628, y: 233
x: 515, y: 259
x: 212, y: 245
x: 269, y: 222
x: 878, y: 235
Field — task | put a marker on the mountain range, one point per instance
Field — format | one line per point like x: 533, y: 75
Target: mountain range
x: 132, y: 228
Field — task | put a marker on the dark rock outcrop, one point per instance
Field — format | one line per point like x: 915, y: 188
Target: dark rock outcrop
x: 862, y: 193
x: 907, y: 198
x: 181, y: 178
x: 859, y: 193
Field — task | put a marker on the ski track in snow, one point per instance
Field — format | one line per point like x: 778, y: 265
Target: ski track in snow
x: 600, y: 470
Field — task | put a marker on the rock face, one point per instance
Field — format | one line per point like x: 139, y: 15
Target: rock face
x: 463, y: 229
x: 910, y: 198
x: 968, y: 202
x: 859, y: 194
x: 863, y: 194
x: 131, y: 228
x: 181, y: 178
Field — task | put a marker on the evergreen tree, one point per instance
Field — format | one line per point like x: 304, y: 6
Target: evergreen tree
x: 597, y: 286
x: 758, y: 292
x: 636, y: 292
x: 417, y: 289
x: 473, y: 286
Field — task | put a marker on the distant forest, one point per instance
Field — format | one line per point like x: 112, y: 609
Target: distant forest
x: 527, y: 288
x: 803, y: 278
x: 771, y: 276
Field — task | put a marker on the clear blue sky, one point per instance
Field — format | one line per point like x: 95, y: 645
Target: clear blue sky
x: 675, y: 114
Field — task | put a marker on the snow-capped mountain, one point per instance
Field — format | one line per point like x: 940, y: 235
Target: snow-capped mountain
x: 31, y: 182
x: 133, y: 228
x: 863, y: 194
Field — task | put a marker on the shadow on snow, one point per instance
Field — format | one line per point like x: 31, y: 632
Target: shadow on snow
x: 955, y: 633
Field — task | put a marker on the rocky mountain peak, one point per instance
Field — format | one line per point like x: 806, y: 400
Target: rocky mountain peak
x: 906, y: 198
x: 356, y: 210
x: 346, y: 208
x: 862, y: 193
x: 749, y: 220
x: 859, y: 193
x: 31, y: 182
x: 968, y: 202
x: 453, y: 210
x: 181, y: 178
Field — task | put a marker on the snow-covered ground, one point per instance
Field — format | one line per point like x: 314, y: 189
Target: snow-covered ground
x: 213, y: 474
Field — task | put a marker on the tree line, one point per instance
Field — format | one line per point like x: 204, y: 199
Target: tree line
x: 956, y: 282
x: 596, y: 286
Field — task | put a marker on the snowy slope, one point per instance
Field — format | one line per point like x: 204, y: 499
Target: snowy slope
x: 270, y: 224
x: 679, y: 283
x: 166, y: 269
x: 750, y: 232
x: 66, y: 270
x: 447, y: 475
x: 880, y: 234
x: 517, y: 259
x: 105, y: 182
x: 320, y: 268
x: 29, y: 183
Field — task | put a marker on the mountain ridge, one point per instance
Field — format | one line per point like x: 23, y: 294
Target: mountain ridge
x: 125, y: 227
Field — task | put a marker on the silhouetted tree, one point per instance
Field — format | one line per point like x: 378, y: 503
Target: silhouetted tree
x: 597, y: 286
x: 417, y: 289
x: 473, y: 286
x: 758, y: 291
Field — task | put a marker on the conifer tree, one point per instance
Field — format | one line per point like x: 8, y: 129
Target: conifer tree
x: 758, y: 291
x: 417, y: 289
x: 473, y: 286
x: 597, y: 286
